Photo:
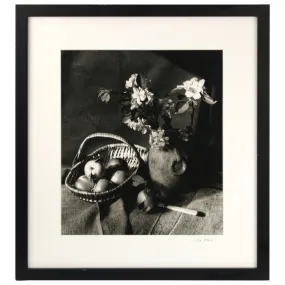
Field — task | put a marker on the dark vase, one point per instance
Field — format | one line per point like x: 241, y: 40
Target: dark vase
x: 167, y: 170
x: 173, y: 169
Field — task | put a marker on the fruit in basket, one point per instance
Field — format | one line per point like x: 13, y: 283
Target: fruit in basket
x: 102, y: 185
x: 94, y: 169
x: 83, y: 183
x: 119, y: 177
x: 117, y: 164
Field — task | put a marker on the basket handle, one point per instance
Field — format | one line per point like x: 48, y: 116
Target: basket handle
x: 79, y: 154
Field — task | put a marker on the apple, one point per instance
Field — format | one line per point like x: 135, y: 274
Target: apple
x: 83, y: 183
x: 94, y: 169
x: 146, y: 200
x: 102, y: 185
x: 119, y: 177
x: 117, y: 164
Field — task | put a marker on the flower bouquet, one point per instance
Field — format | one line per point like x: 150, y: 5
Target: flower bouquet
x: 147, y: 113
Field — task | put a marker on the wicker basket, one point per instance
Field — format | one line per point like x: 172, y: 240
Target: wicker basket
x: 133, y: 155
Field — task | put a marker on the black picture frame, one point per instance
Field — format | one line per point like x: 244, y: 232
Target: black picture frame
x: 261, y: 272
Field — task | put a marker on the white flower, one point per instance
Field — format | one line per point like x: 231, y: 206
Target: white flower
x: 141, y: 96
x: 139, y: 125
x: 158, y: 139
x: 132, y: 82
x: 193, y: 88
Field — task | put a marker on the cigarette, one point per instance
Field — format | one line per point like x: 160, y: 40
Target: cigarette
x: 183, y: 210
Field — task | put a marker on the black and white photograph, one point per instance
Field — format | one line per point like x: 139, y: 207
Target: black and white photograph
x: 141, y: 142
x: 142, y: 120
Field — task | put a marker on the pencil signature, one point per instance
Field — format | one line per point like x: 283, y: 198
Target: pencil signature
x: 204, y: 239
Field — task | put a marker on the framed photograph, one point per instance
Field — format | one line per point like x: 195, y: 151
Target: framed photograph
x: 144, y: 135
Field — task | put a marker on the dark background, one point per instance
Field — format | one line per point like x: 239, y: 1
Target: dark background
x: 84, y: 72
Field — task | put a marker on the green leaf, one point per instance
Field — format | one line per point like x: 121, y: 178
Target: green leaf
x: 206, y: 98
x: 181, y: 107
x: 105, y: 97
x: 177, y: 90
x: 142, y: 82
x: 126, y: 119
x: 104, y: 94
x: 101, y: 91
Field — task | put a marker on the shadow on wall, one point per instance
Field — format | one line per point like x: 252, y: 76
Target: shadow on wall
x: 84, y: 72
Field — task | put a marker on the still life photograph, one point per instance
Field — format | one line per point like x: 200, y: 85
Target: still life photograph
x: 141, y: 143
